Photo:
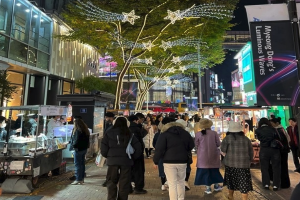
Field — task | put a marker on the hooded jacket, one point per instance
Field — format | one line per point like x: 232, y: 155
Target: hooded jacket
x: 114, y: 149
x: 174, y: 144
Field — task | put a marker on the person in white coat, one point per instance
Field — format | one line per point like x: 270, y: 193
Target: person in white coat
x: 148, y: 139
x: 54, y: 122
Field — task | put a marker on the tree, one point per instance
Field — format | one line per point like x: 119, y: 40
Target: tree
x: 144, y: 31
x: 7, y: 89
x: 93, y: 83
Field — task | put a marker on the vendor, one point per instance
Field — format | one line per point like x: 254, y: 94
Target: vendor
x: 31, y: 125
x: 54, y: 122
x: 3, y: 132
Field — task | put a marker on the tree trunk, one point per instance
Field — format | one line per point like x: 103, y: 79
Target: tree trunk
x: 141, y: 99
x: 120, y: 83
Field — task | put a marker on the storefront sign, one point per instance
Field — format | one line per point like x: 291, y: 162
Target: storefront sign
x: 275, y: 64
x: 53, y: 111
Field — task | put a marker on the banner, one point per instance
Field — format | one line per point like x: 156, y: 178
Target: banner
x: 275, y: 65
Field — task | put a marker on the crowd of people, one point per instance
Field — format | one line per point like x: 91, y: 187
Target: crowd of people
x: 174, y: 137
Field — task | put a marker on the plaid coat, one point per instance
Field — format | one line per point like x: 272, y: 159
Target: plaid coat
x: 238, y: 150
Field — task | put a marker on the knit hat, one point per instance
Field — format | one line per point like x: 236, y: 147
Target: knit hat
x: 235, y: 127
x: 205, y: 123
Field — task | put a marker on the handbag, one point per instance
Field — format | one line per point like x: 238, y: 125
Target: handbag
x: 100, y: 160
x: 275, y: 143
x: 129, y: 149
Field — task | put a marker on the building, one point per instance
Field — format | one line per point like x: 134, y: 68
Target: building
x: 40, y: 65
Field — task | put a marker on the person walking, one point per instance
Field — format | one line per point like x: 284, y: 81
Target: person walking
x: 266, y: 134
x: 174, y: 147
x: 138, y: 168
x: 113, y: 147
x: 148, y: 139
x: 207, y: 143
x: 79, y: 143
x: 294, y: 143
x: 238, y: 154
x: 285, y: 179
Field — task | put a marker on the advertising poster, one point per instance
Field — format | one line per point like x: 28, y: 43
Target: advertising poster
x: 275, y: 65
x: 235, y: 79
x: 129, y: 93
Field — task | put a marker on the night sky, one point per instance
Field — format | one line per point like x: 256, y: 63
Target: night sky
x: 224, y: 70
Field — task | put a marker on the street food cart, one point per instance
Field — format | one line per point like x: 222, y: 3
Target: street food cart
x: 30, y: 153
x: 250, y: 116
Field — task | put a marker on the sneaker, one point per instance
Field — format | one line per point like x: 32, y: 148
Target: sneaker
x: 148, y: 157
x: 208, y: 191
x: 166, y: 184
x: 219, y: 188
x: 187, y: 186
x: 163, y: 188
x: 77, y: 183
x: 142, y: 191
x: 266, y: 187
x: 104, y: 184
x: 275, y: 188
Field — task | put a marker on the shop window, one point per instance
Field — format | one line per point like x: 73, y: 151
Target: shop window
x: 15, y: 78
x: 5, y: 16
x: 18, y: 51
x: 21, y: 16
x: 43, y: 60
x: 4, y: 45
x: 77, y: 91
x: 67, y: 88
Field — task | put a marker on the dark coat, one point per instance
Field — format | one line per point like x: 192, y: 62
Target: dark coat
x: 138, y: 132
x: 293, y: 143
x: 174, y: 144
x: 114, y: 149
x: 79, y: 141
x: 265, y: 135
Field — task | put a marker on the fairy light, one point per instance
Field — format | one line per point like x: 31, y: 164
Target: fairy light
x: 147, y: 61
x: 189, y: 41
x: 182, y: 68
x: 92, y: 12
x: 210, y: 10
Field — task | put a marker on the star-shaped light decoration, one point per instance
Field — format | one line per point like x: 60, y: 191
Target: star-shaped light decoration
x: 149, y: 61
x: 182, y: 69
x: 173, y: 16
x: 172, y: 70
x: 173, y: 86
x: 176, y: 82
x: 169, y: 82
x: 130, y: 17
x: 165, y: 45
x: 155, y: 79
x: 148, y: 45
x: 176, y: 60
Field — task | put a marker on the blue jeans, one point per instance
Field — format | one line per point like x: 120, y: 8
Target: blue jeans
x: 79, y: 160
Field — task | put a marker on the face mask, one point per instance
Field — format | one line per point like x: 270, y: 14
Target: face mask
x: 3, y: 125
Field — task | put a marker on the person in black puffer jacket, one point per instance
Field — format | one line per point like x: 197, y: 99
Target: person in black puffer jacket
x: 266, y: 134
x: 113, y: 147
x: 174, y: 146
x: 138, y: 168
x: 80, y: 142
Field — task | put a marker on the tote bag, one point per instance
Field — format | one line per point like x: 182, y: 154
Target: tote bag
x: 100, y: 160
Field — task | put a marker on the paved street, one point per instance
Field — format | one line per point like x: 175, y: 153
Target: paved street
x: 59, y: 188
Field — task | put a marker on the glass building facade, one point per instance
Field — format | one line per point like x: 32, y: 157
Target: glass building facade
x: 25, y: 33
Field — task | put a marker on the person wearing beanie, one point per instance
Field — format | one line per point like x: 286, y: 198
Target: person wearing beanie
x: 238, y: 152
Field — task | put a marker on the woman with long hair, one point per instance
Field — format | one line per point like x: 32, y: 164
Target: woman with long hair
x: 238, y: 152
x: 79, y: 143
x: 113, y: 147
x: 207, y: 143
x: 148, y: 139
x: 267, y: 154
x: 285, y: 179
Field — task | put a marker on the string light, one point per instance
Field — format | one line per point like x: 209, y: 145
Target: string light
x: 182, y: 69
x: 210, y: 10
x: 189, y: 41
x: 147, y: 61
x: 93, y: 12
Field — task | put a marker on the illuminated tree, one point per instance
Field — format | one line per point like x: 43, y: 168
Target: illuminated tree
x: 130, y: 29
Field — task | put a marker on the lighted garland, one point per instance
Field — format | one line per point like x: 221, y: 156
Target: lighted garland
x: 189, y: 41
x: 210, y: 10
x: 147, y: 61
x: 93, y: 12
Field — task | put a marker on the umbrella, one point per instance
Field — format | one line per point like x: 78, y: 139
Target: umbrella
x: 169, y: 110
x: 157, y: 110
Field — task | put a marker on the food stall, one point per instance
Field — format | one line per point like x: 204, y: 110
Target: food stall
x: 248, y: 116
x: 29, y: 153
